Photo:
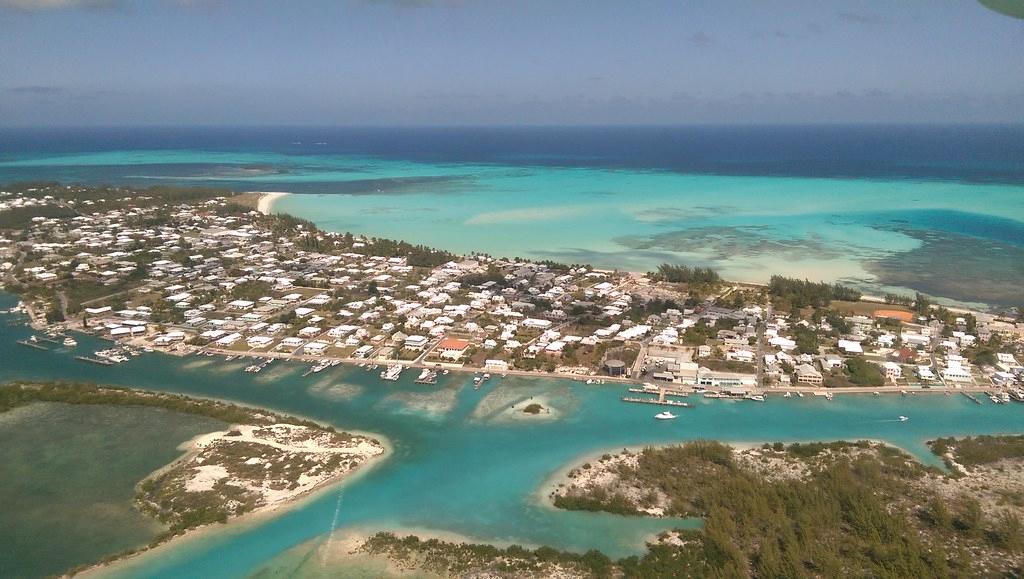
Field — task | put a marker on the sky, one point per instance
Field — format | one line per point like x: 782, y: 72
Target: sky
x: 498, y: 62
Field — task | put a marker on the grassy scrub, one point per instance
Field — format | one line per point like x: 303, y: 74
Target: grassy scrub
x: 860, y: 509
x: 20, y: 393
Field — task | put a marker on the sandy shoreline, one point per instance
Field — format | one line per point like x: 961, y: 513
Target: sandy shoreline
x: 244, y: 521
x: 265, y: 204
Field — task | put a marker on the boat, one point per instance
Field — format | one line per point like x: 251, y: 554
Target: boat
x: 787, y: 395
x: 665, y: 416
x: 828, y: 396
x: 392, y: 373
x: 755, y: 397
x: 427, y: 376
x: 904, y: 418
x: 69, y: 342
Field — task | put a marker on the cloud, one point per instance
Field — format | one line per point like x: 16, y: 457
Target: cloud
x: 35, y: 90
x: 41, y: 5
x: 699, y: 39
x: 860, y: 17
x: 54, y: 5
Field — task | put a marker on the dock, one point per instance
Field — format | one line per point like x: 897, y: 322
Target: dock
x: 676, y: 393
x: 99, y: 361
x: 33, y: 345
x: 430, y: 378
x: 971, y: 397
x: 656, y: 401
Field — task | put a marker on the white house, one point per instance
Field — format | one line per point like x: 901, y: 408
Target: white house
x: 892, y: 371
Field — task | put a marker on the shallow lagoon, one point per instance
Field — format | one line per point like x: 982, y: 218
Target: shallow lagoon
x: 462, y: 470
x: 69, y: 475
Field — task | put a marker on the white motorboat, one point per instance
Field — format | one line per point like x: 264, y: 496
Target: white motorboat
x: 665, y: 416
x: 392, y: 373
x: 70, y: 342
x: 904, y: 418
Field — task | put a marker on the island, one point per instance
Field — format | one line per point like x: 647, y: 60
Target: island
x: 264, y: 461
x: 818, y: 509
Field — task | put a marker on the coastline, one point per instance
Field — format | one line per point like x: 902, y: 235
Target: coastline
x: 238, y: 523
x: 190, y: 449
x: 560, y: 476
x: 265, y: 203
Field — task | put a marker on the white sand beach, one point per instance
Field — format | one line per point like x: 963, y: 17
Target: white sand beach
x: 266, y: 203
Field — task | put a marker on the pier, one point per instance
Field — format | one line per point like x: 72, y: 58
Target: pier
x: 31, y: 344
x: 971, y: 397
x: 99, y: 361
x: 656, y: 401
x: 663, y: 391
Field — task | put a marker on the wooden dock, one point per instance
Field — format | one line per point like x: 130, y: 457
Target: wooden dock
x: 33, y: 345
x: 676, y: 393
x: 656, y: 401
x: 971, y: 397
x: 99, y: 361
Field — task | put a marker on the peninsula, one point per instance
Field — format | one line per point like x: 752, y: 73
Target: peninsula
x: 264, y: 461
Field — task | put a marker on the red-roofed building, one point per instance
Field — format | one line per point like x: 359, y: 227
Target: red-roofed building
x: 452, y: 348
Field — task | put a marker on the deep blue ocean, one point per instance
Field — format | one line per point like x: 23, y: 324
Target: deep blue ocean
x: 984, y: 153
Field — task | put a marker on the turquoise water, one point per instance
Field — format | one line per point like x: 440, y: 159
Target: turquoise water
x: 957, y: 239
x: 463, y: 464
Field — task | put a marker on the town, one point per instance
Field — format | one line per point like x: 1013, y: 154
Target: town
x: 201, y: 272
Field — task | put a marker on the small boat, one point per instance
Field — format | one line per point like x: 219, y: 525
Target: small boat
x: 392, y: 373
x: 665, y: 416
x: 904, y: 418
x: 70, y: 342
x: 787, y: 395
x: 800, y: 394
x: 755, y: 397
